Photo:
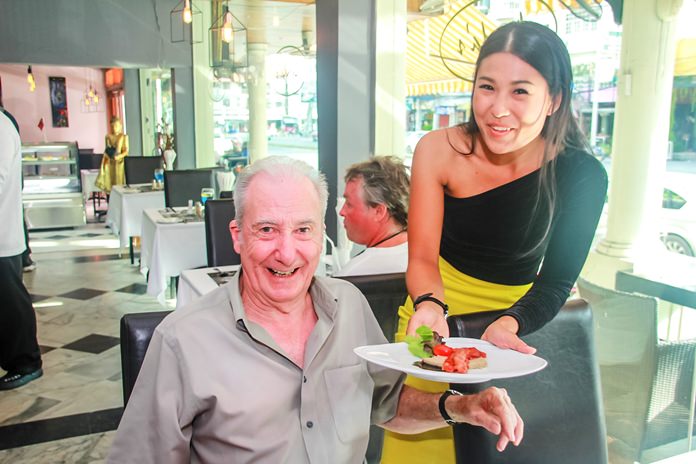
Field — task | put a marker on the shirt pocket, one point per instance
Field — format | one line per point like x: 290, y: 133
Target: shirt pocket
x: 350, y: 397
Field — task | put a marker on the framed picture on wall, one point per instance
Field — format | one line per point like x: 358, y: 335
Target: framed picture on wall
x: 59, y: 101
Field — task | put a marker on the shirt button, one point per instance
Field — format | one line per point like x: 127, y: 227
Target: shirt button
x: 310, y: 424
x: 304, y: 379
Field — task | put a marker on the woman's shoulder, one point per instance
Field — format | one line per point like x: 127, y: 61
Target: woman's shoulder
x: 445, y: 141
x: 579, y: 163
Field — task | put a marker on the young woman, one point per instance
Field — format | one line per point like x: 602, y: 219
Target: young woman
x: 493, y: 199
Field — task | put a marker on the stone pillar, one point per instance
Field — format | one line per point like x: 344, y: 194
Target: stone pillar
x: 258, y: 124
x: 202, y: 83
x: 640, y: 138
x: 390, y: 78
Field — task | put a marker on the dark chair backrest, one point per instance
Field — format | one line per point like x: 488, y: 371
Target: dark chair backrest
x: 385, y: 293
x: 136, y: 333
x: 561, y: 405
x: 184, y: 185
x: 141, y: 169
x: 218, y: 241
x: 89, y: 160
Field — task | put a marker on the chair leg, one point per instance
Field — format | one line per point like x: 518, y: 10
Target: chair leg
x: 130, y: 250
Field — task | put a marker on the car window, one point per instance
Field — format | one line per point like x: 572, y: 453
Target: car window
x: 672, y: 200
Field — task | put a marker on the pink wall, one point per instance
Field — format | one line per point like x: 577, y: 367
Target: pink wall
x: 88, y: 129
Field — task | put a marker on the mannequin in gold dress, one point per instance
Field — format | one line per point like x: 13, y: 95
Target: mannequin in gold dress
x: 112, y: 171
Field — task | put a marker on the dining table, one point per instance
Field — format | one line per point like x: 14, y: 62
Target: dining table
x: 126, y: 206
x: 172, y: 240
x: 671, y: 278
x: 194, y: 283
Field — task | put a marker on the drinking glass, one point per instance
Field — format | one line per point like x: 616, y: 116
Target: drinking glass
x: 159, y: 176
x: 206, y: 193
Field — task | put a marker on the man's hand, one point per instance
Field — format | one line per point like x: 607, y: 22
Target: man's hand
x: 491, y: 409
x: 503, y: 334
x: 429, y: 314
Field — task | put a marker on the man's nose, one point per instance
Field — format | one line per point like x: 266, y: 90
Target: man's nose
x: 285, y: 248
x: 341, y: 212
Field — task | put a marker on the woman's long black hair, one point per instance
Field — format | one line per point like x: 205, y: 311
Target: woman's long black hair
x: 541, y: 48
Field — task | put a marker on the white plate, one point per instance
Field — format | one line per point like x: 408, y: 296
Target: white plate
x: 501, y: 363
x: 170, y: 220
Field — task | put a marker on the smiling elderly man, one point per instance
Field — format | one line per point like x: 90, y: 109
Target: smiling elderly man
x: 263, y: 369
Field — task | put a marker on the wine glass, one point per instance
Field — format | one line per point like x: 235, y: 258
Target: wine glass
x: 206, y: 193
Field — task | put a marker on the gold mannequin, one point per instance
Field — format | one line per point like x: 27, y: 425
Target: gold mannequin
x: 112, y: 171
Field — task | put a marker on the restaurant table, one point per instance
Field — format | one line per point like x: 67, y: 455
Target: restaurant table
x: 126, y: 206
x: 671, y: 278
x: 168, y: 247
x: 87, y: 179
x: 196, y: 282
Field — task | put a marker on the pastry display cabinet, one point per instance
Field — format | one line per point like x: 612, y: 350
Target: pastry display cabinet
x: 52, y: 194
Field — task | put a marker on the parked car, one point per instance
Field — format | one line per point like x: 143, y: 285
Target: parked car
x: 677, y: 224
x: 678, y: 220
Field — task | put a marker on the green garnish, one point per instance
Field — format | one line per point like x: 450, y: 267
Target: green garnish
x: 418, y: 344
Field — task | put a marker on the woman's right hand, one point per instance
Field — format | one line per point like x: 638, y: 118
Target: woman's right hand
x: 429, y: 314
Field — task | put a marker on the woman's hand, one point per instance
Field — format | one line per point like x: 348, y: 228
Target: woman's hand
x: 429, y: 314
x: 503, y: 334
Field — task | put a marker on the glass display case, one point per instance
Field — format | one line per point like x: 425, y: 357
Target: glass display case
x: 51, y: 194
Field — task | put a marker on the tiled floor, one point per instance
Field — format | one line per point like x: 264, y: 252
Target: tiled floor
x: 80, y: 289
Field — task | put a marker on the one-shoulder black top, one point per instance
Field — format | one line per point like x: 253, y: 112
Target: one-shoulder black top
x: 503, y: 235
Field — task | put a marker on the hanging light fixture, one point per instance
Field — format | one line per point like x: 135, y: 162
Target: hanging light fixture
x: 228, y: 40
x: 187, y: 14
x: 30, y: 79
x: 181, y: 22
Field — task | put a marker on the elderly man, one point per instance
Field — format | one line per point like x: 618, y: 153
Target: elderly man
x: 263, y: 369
x: 375, y: 214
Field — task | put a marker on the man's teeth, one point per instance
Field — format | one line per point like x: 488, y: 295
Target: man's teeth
x: 283, y: 273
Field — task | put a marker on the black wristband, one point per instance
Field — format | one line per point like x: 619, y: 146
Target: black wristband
x: 430, y: 297
x: 441, y: 405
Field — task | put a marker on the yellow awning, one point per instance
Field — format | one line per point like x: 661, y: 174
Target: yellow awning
x: 441, y: 51
x: 685, y: 62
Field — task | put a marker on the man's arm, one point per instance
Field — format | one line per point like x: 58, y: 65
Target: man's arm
x: 491, y: 409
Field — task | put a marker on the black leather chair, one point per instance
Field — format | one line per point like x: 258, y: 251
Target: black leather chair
x: 186, y: 184
x: 561, y: 405
x: 385, y: 293
x: 218, y: 242
x: 136, y: 332
x: 141, y: 169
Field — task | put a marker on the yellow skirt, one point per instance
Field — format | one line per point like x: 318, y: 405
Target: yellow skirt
x: 463, y: 295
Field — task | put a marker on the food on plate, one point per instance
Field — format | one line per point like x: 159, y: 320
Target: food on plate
x: 436, y: 355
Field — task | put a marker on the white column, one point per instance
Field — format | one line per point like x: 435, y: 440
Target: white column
x: 390, y: 78
x: 640, y: 138
x: 258, y: 140
x: 202, y: 83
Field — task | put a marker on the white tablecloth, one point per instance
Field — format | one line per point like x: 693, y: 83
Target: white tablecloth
x: 168, y: 249
x: 196, y: 282
x: 125, y: 213
x: 87, y: 178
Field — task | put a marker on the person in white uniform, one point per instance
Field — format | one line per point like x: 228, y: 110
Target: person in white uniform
x: 375, y: 214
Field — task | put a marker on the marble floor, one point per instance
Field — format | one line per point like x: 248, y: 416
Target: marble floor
x: 80, y: 289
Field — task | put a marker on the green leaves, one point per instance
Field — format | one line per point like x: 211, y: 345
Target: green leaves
x: 417, y: 344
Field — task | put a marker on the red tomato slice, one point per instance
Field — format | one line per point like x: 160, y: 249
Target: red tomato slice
x: 442, y: 350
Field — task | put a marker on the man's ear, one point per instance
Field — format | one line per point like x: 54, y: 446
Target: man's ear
x: 381, y: 212
x: 234, y: 232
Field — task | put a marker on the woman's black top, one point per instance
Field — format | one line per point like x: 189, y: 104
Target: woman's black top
x: 503, y: 235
